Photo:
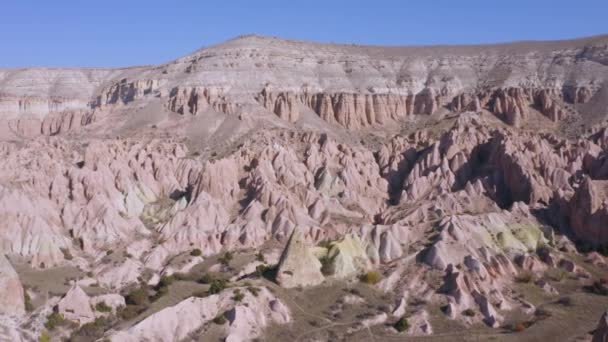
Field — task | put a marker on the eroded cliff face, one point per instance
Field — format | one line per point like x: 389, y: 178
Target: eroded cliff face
x: 349, y: 86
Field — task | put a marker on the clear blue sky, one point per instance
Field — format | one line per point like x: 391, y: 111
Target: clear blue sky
x: 130, y: 32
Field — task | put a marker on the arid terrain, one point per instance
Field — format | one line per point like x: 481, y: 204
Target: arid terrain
x: 277, y: 190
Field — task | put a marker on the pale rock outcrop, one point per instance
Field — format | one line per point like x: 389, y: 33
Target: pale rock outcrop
x: 347, y: 257
x: 298, y: 266
x: 12, y: 295
x: 75, y: 306
x: 246, y: 319
x: 117, y: 276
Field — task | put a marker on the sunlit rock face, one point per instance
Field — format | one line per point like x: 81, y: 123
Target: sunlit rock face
x: 437, y: 177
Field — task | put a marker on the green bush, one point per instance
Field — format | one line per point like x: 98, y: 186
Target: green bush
x: 402, y: 324
x: 27, y: 301
x: 165, y: 281
x: 91, y: 330
x: 196, y: 252
x: 371, y: 277
x: 254, y: 290
x: 226, y: 258
x: 137, y: 296
x: 103, y: 307
x: 54, y: 320
x: 326, y: 268
x: 44, y: 337
x: 260, y: 257
x: 219, y: 319
x: 160, y: 291
x: 130, y: 311
x: 237, y: 295
x: 217, y: 286
x: 206, y: 279
x: 469, y: 312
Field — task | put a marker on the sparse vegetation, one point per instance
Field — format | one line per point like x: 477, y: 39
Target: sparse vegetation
x: 525, y: 277
x: 598, y: 287
x: 93, y: 330
x: 67, y: 255
x: 238, y: 295
x: 469, y: 312
x: 325, y: 243
x: 226, y: 258
x: 138, y: 296
x: 27, y: 301
x: 130, y: 311
x: 542, y: 313
x: 260, y: 257
x: 402, y: 325
x: 217, y: 286
x: 371, y: 277
x: 196, y: 252
x: 266, y: 271
x: 103, y: 307
x: 165, y: 281
x: 219, y: 320
x: 555, y: 274
x: 326, y: 268
x: 54, y: 320
x: 44, y: 337
x: 206, y: 278
x: 254, y: 290
x: 160, y: 291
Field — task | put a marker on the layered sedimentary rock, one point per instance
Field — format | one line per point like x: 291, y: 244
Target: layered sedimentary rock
x: 350, y: 86
x: 261, y: 145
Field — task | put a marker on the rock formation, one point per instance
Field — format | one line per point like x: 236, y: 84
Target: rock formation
x: 246, y: 318
x: 75, y: 306
x: 11, y: 298
x: 447, y: 172
x: 298, y: 266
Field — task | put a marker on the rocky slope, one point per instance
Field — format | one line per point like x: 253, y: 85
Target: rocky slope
x: 219, y: 185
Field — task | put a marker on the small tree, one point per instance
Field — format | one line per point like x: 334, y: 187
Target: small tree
x: 238, y: 296
x: 137, y: 296
x: 102, y: 307
x: 54, y: 320
x: 402, y: 324
x: 371, y: 277
x: 217, y: 286
x: 226, y: 259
